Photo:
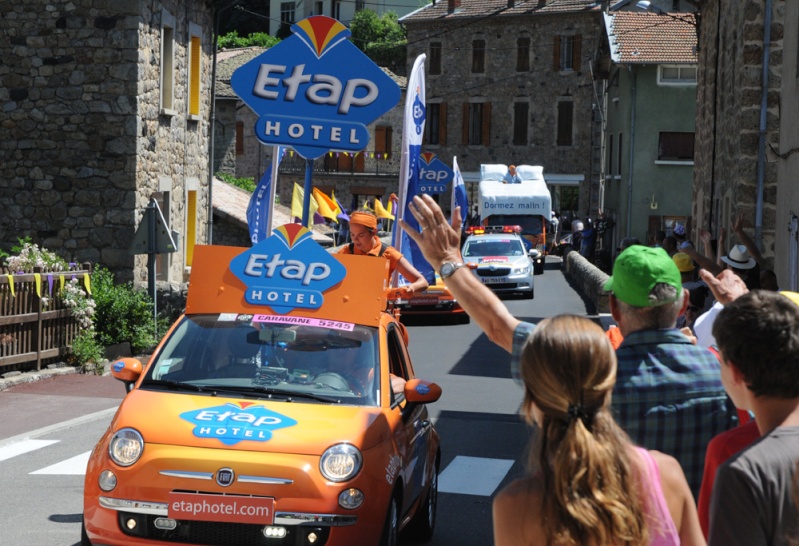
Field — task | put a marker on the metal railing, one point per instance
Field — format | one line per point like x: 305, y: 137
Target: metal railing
x: 345, y: 164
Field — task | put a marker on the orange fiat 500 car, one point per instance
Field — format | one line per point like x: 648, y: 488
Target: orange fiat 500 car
x: 282, y: 408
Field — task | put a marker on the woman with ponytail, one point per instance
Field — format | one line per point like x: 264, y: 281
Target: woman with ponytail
x: 588, y: 485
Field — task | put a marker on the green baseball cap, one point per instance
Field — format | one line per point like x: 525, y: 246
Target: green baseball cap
x: 636, y: 272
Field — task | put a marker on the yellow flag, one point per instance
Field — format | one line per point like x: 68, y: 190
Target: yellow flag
x: 11, y: 285
x: 296, y: 205
x: 87, y: 283
x: 380, y: 211
x: 327, y: 208
x: 37, y: 279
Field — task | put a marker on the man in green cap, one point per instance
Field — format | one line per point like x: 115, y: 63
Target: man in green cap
x: 668, y: 394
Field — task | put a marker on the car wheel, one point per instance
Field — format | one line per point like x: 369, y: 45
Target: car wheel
x: 391, y: 527
x: 84, y: 538
x: 424, y: 520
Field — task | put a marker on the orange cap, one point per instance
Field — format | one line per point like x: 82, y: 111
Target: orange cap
x: 364, y: 219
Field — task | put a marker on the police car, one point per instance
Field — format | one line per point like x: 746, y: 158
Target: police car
x: 281, y: 408
x: 498, y: 257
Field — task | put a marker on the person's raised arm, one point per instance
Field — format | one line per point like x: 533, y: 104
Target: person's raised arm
x: 440, y: 243
x: 703, y: 261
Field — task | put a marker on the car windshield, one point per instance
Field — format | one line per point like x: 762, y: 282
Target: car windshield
x: 251, y: 356
x: 531, y: 225
x: 481, y: 247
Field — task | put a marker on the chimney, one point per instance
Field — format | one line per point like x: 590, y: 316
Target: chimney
x: 452, y: 5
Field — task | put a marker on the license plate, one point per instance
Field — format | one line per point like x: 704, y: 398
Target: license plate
x: 424, y: 301
x: 494, y: 280
x: 222, y: 508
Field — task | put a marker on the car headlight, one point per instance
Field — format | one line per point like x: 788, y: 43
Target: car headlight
x: 340, y: 462
x: 126, y: 446
x: 523, y: 270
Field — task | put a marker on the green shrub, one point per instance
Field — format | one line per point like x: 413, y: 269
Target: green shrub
x: 86, y: 353
x: 243, y: 183
x: 123, y: 313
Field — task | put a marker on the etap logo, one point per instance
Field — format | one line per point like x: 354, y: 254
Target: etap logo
x: 315, y: 91
x: 288, y: 270
x: 434, y: 174
x: 233, y: 423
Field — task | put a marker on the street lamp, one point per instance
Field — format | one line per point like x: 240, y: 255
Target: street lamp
x: 646, y: 5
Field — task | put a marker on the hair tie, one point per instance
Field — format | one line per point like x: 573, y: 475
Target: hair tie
x: 576, y: 411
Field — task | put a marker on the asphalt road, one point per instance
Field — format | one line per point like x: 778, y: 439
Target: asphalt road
x: 483, y: 438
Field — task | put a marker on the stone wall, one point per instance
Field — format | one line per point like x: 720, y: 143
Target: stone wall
x: 85, y: 144
x: 501, y: 85
x: 728, y: 118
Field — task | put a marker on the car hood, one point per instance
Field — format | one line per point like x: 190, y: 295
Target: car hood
x: 252, y: 425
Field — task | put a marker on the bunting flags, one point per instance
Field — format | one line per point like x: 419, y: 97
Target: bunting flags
x: 262, y: 202
x: 412, y: 134
x: 459, y: 198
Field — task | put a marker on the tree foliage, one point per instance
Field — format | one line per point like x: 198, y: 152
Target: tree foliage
x: 382, y: 39
x: 232, y: 40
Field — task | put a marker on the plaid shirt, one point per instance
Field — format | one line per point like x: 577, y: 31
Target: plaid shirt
x: 669, y: 397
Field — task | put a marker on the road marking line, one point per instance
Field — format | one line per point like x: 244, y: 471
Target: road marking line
x: 473, y: 475
x: 76, y: 466
x: 58, y: 426
x: 25, y: 446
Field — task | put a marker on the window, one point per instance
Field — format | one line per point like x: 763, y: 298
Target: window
x: 521, y: 112
x: 476, y: 123
x: 239, y: 137
x: 435, y: 58
x: 565, y: 123
x: 478, y: 56
x: 336, y: 9
x: 677, y: 74
x: 191, y: 225
x: 319, y: 9
x: 287, y: 12
x: 611, y: 157
x: 676, y: 147
x: 167, y: 63
x: 567, y: 53
x: 522, y: 54
x: 195, y: 70
x: 436, y: 124
x: 162, y: 260
x: 383, y: 141
x: 360, y: 5
x: 618, y: 169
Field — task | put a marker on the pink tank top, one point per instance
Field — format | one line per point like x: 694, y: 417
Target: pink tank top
x: 661, y: 527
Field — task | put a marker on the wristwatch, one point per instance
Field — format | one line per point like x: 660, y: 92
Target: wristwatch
x: 448, y: 268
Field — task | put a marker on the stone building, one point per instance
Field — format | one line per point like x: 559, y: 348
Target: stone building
x: 105, y: 106
x: 510, y: 82
x: 747, y: 114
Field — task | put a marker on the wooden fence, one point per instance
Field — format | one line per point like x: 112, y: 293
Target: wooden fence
x: 36, y: 328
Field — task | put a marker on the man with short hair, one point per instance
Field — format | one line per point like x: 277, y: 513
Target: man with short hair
x: 668, y: 394
x: 753, y: 494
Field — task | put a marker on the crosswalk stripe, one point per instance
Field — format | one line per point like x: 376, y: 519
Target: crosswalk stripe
x: 25, y: 446
x: 473, y: 475
x: 76, y: 466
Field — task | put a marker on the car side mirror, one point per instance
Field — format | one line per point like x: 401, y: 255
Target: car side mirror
x: 418, y: 391
x: 127, y: 370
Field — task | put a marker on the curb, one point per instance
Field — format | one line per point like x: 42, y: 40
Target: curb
x: 12, y: 379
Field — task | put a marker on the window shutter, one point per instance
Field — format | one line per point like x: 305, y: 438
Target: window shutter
x: 465, y: 124
x: 442, y: 124
x: 380, y: 139
x: 556, y: 54
x: 239, y: 138
x: 576, y: 52
x: 486, y: 123
x: 194, y: 83
x: 388, y: 144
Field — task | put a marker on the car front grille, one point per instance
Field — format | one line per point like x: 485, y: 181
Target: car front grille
x: 222, y: 534
x: 496, y: 272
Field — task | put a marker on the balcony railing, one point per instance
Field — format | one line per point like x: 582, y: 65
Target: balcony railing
x: 345, y: 164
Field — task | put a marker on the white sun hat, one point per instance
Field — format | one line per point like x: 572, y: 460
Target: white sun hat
x: 739, y: 258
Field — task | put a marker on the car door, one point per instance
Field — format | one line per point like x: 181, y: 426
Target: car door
x: 411, y: 436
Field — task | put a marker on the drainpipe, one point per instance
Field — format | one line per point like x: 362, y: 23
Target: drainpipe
x: 632, y: 154
x: 761, y: 141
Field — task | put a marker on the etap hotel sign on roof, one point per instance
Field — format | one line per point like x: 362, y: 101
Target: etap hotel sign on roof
x: 315, y: 91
